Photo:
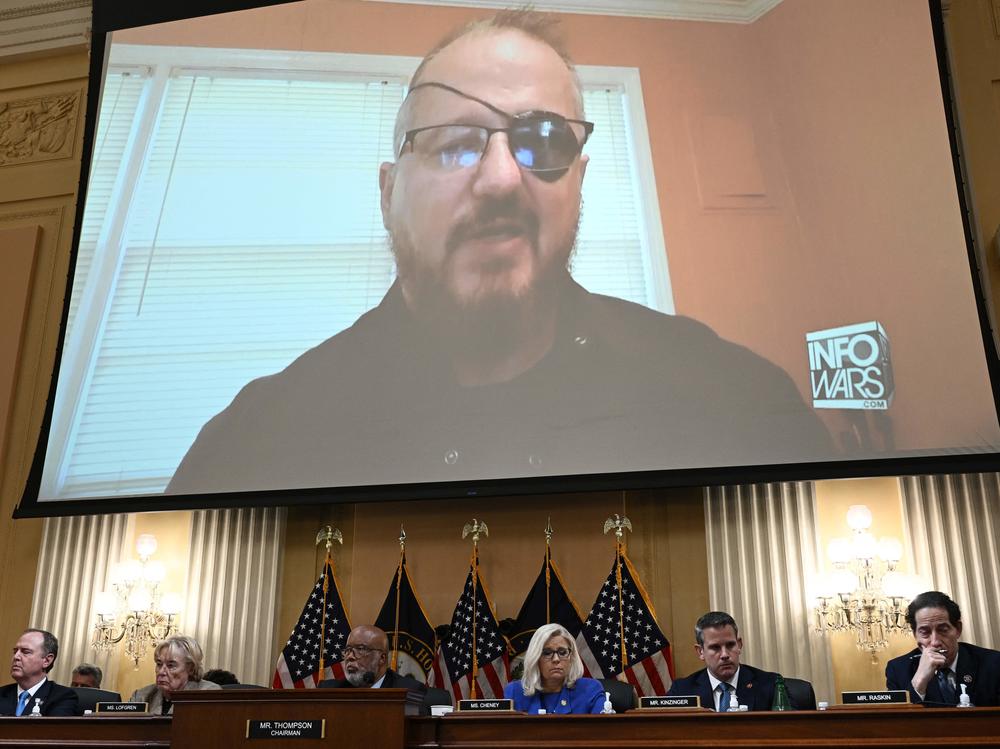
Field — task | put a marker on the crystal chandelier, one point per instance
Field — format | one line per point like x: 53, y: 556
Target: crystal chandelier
x: 136, y: 612
x: 864, y: 594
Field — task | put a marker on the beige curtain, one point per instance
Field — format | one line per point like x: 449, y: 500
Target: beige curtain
x: 76, y: 555
x: 233, y: 588
x: 762, y: 552
x: 952, y: 530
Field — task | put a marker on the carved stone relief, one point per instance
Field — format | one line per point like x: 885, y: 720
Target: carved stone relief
x: 38, y: 129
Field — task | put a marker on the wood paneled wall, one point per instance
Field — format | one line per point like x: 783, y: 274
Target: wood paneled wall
x: 667, y: 548
x: 42, y: 102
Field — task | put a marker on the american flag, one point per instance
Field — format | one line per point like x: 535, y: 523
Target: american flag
x: 298, y: 662
x: 452, y: 668
x: 649, y: 665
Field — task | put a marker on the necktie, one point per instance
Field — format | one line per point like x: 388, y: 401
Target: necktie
x: 22, y: 702
x: 724, y: 699
x: 947, y: 687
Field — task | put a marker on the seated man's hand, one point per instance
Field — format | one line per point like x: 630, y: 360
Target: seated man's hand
x: 930, y: 662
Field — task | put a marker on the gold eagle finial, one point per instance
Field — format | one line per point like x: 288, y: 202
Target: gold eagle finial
x: 619, y: 524
x: 329, y: 534
x: 475, y: 528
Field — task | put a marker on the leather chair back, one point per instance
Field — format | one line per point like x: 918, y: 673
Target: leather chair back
x: 87, y: 698
x: 623, y: 695
x: 801, y: 694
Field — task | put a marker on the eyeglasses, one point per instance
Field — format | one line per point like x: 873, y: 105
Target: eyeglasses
x: 359, y: 651
x: 543, y: 143
x: 548, y: 653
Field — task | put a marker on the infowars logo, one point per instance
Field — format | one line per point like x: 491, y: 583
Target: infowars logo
x: 850, y: 367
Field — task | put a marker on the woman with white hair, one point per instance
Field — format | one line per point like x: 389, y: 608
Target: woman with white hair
x: 178, y: 668
x: 553, y: 678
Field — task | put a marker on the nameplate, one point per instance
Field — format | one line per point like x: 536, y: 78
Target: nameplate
x: 883, y: 697
x: 485, y: 705
x: 680, y: 701
x: 121, y: 707
x: 286, y: 729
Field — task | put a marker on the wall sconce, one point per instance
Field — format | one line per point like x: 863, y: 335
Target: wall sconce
x: 135, y: 611
x: 864, y: 594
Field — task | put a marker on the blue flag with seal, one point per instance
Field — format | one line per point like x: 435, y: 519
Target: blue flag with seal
x: 411, y: 637
x: 548, y: 602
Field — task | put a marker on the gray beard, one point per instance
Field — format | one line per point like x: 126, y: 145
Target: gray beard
x: 479, y: 328
x: 357, y: 679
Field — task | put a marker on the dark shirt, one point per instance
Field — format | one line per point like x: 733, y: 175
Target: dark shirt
x: 623, y: 388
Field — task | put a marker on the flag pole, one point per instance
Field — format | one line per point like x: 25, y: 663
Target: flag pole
x: 329, y: 535
x: 619, y: 524
x: 399, y: 584
x: 475, y: 529
x: 548, y: 567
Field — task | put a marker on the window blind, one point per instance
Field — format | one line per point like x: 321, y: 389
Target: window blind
x: 116, y: 117
x: 610, y: 255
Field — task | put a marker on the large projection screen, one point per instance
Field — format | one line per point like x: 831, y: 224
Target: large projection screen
x: 284, y: 290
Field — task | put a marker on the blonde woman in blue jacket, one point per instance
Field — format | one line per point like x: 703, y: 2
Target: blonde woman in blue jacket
x: 553, y: 678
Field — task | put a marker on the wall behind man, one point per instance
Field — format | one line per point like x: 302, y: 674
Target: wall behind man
x: 858, y: 109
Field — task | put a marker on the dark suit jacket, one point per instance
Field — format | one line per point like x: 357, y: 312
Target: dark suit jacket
x: 978, y: 668
x: 398, y: 681
x: 755, y: 688
x: 55, y: 700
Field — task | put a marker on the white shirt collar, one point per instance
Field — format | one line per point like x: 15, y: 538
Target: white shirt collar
x: 378, y: 683
x: 31, y: 690
x: 732, y: 682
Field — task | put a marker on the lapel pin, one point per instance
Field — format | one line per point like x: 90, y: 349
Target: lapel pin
x: 562, y: 702
x: 967, y: 678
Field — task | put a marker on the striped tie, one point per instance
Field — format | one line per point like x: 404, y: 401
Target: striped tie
x: 724, y: 699
x: 947, y: 687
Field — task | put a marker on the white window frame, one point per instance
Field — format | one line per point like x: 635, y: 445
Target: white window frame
x: 654, y: 248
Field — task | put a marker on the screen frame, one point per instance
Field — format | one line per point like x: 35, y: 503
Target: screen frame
x: 109, y: 16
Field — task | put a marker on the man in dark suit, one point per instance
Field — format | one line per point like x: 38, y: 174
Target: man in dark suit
x: 935, y: 671
x: 34, y: 654
x: 719, y: 644
x: 366, y: 663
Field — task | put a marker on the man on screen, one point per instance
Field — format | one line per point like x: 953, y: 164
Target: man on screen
x: 935, y: 670
x: 486, y: 359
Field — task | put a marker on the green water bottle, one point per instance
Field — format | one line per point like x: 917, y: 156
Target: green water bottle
x: 781, y: 701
